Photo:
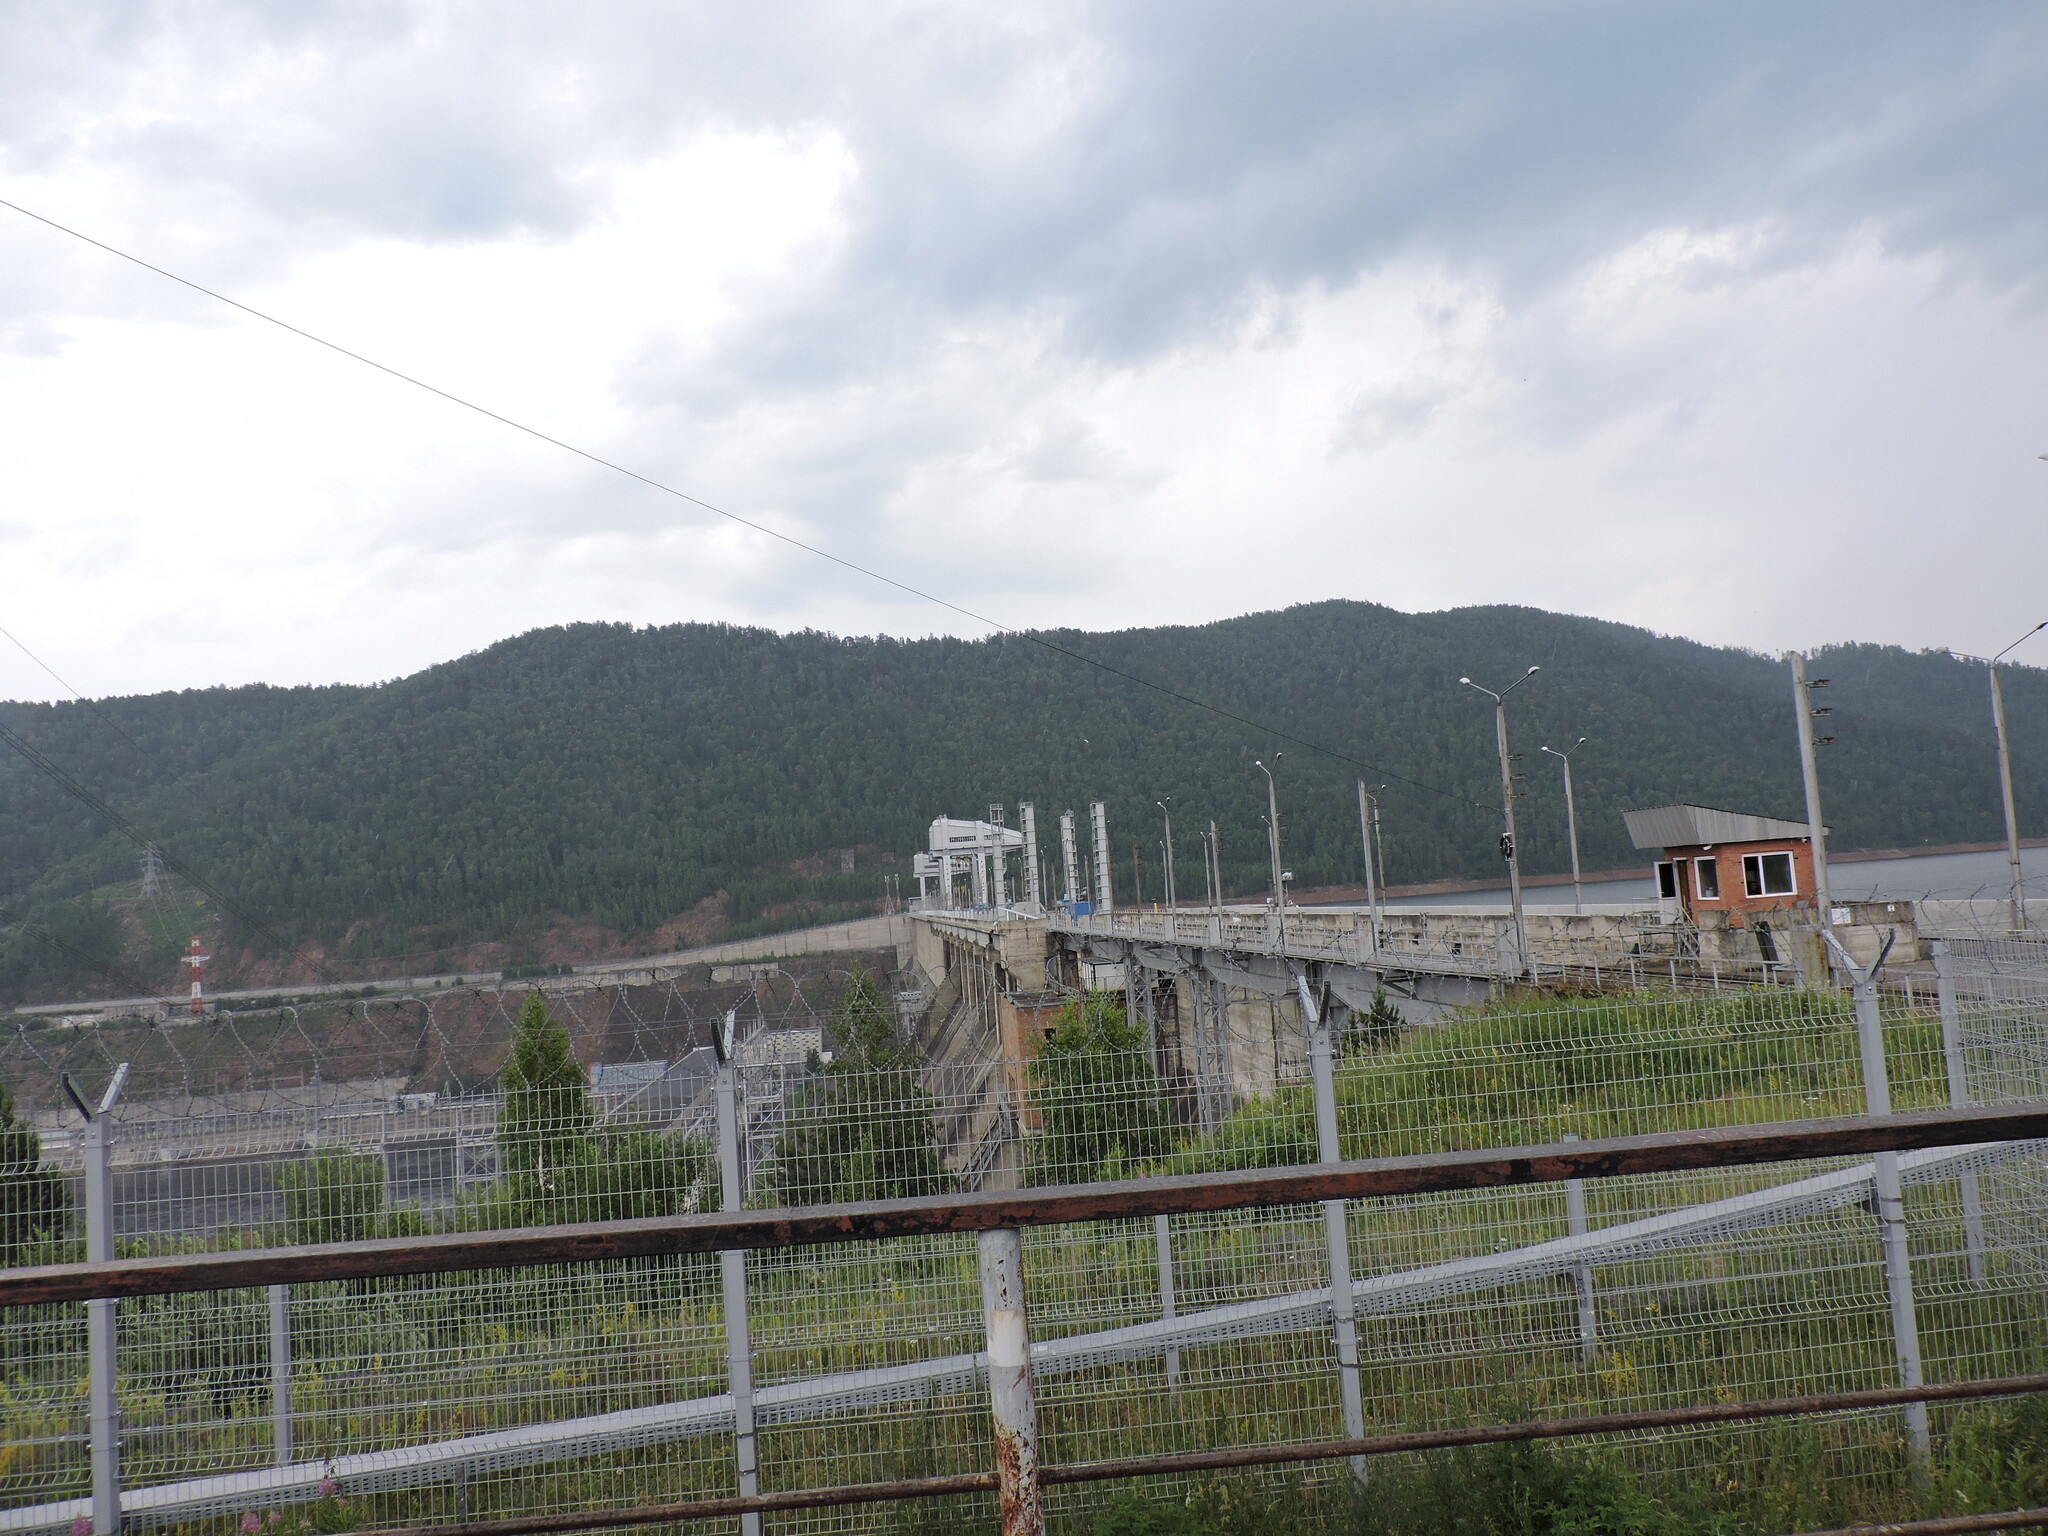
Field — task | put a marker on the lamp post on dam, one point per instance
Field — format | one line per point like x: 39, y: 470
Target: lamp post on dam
x: 1508, y: 850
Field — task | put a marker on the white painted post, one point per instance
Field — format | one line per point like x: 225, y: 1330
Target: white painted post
x: 1891, y: 1206
x: 281, y: 1374
x: 1162, y: 1249
x: 1336, y: 1231
x: 103, y: 1407
x: 732, y: 1265
x: 1582, y: 1274
x: 1959, y: 1098
x: 1012, y: 1403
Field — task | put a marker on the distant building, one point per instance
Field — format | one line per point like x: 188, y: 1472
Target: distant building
x: 1724, y: 862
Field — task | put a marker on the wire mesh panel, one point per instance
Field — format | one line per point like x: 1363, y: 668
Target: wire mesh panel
x: 579, y: 1387
x: 43, y: 1445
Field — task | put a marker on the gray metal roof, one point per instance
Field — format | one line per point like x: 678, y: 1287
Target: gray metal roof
x: 1687, y: 826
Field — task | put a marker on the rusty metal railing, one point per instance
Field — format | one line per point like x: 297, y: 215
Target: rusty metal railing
x: 999, y: 1215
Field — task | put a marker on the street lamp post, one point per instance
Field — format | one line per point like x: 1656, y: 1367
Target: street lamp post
x: 1571, y: 818
x: 2018, y: 893
x: 1172, y: 895
x: 1273, y: 844
x: 1508, y: 850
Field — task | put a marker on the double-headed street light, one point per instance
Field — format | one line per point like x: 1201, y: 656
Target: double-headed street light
x: 1571, y: 817
x: 1508, y: 850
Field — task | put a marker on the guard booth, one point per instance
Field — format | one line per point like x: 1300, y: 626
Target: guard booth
x: 1726, y: 865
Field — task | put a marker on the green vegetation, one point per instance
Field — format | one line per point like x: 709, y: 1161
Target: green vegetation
x: 557, y: 1164
x: 395, y: 1362
x: 1536, y: 1069
x: 863, y: 1127
x: 35, y: 1202
x: 624, y: 776
x: 1993, y: 1458
x: 334, y: 1196
x: 1097, y: 1098
x: 30, y: 964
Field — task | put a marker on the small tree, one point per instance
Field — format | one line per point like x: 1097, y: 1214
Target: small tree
x: 35, y: 1202
x: 864, y: 1128
x: 1378, y: 1026
x: 1097, y: 1096
x: 554, y: 1161
x: 545, y: 1142
x: 334, y: 1196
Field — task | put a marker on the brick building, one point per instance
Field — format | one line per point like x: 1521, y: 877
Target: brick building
x: 1725, y: 862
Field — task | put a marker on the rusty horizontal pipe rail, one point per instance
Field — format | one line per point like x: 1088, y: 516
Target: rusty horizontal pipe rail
x: 1272, y: 1455
x: 590, y: 1242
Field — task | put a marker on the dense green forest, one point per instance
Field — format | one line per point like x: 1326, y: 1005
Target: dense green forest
x: 624, y: 776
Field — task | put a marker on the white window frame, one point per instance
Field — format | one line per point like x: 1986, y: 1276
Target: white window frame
x: 1762, y: 891
x: 1699, y: 889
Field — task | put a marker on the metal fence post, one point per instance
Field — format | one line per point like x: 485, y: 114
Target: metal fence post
x: 1011, y: 1400
x: 1336, y: 1230
x: 281, y: 1374
x: 102, y: 1399
x: 1582, y: 1274
x: 1162, y: 1248
x: 1891, y: 1206
x: 732, y: 1265
x: 1959, y: 1098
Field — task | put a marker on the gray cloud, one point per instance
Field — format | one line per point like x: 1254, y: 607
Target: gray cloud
x: 1104, y: 186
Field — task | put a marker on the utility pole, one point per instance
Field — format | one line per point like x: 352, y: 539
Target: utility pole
x: 1166, y: 848
x: 1369, y: 813
x: 1571, y: 819
x: 2018, y: 895
x: 1215, y: 856
x: 1816, y: 831
x: 1508, y: 850
x: 1273, y: 846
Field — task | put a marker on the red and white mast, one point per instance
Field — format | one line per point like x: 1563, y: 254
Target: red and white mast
x: 197, y: 961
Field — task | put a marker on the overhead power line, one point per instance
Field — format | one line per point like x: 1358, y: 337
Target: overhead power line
x: 746, y: 522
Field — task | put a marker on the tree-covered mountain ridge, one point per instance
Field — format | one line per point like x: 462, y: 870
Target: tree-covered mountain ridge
x: 617, y: 782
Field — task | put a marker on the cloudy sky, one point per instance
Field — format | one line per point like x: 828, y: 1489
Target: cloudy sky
x: 1727, y: 320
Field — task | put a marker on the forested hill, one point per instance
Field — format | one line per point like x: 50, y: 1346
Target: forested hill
x: 625, y: 777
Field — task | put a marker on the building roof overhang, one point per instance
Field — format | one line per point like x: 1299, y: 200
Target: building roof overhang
x: 1690, y: 826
